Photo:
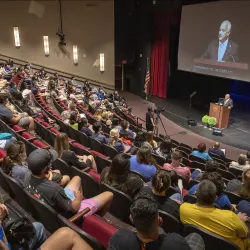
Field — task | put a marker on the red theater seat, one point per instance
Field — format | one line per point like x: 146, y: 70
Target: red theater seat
x: 18, y: 128
x: 78, y: 145
x: 99, y: 229
x: 95, y: 175
x: 40, y: 144
x: 46, y: 125
x: 55, y: 131
x: 95, y: 153
x: 39, y: 120
x: 28, y: 136
x: 2, y: 154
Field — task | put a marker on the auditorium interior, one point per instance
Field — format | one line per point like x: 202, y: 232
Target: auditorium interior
x: 110, y: 138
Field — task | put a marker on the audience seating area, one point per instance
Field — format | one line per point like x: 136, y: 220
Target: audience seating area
x: 94, y: 229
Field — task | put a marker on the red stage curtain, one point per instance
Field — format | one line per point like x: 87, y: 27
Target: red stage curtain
x: 160, y: 52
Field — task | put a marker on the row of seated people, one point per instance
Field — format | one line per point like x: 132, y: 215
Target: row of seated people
x: 63, y: 239
x: 114, y: 176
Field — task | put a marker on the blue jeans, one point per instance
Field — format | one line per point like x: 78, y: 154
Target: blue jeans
x: 176, y: 196
x: 39, y: 238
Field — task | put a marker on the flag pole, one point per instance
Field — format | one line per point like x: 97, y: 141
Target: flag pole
x: 147, y: 79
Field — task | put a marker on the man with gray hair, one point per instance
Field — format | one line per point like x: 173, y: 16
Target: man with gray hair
x: 223, y: 49
x: 224, y: 223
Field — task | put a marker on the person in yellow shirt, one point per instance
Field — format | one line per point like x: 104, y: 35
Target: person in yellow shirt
x: 224, y: 223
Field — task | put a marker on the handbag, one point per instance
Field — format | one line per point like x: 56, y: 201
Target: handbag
x: 18, y: 228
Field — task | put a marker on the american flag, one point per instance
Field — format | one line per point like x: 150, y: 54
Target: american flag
x: 147, y: 78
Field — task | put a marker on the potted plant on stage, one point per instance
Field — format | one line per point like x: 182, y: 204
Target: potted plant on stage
x: 211, y: 122
x: 205, y: 120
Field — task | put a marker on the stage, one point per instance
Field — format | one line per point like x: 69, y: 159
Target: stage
x: 235, y: 139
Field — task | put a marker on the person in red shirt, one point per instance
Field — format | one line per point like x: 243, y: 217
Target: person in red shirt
x: 175, y: 165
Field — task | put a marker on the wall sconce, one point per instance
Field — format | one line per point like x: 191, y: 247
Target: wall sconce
x: 46, y: 45
x: 75, y: 54
x: 102, y: 68
x: 16, y: 37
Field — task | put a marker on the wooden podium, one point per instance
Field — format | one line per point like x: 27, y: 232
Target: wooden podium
x: 221, y: 114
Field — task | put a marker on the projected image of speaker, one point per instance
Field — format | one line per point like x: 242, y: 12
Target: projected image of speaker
x: 216, y: 52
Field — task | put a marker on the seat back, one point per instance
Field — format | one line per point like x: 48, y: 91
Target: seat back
x: 236, y: 172
x: 170, y: 223
x: 98, y: 228
x: 160, y: 160
x: 138, y: 174
x: 64, y: 168
x: 175, y: 143
x: 185, y: 149
x: 234, y: 198
x: 102, y: 163
x: 190, y: 198
x: 109, y: 151
x: 185, y: 161
x: 198, y: 159
x: 226, y: 174
x: 196, y: 164
x: 5, y: 186
x: 170, y: 191
x: 192, y: 183
x: 44, y: 213
x: 184, y: 154
x: 79, y: 149
x: 85, y: 236
x: 120, y: 206
x: 185, y: 146
x: 19, y: 194
x: 96, y: 145
x: 83, y: 139
x: 212, y: 241
x: 184, y: 181
x: 215, y: 156
x: 90, y: 187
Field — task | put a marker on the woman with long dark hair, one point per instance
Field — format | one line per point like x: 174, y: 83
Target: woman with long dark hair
x: 119, y: 176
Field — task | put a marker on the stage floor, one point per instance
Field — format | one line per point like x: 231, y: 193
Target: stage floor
x: 236, y: 139
x: 237, y: 134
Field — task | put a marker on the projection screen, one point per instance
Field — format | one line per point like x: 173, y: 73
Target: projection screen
x: 215, y: 39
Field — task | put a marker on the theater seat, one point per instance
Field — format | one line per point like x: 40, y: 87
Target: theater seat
x: 99, y: 229
x: 39, y: 120
x: 95, y: 175
x: 28, y: 136
x: 18, y: 128
x: 53, y: 130
x: 2, y: 154
x: 95, y: 153
x: 40, y: 144
x: 76, y: 144
x: 46, y: 125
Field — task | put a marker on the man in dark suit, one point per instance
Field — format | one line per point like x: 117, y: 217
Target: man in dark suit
x: 223, y: 50
x: 216, y: 150
x: 227, y: 102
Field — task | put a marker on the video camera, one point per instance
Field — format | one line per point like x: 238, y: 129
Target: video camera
x: 159, y: 110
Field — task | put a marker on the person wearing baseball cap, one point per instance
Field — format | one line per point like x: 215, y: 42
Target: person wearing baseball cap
x: 68, y: 199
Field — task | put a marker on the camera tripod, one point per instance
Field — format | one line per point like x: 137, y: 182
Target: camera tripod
x: 158, y: 118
